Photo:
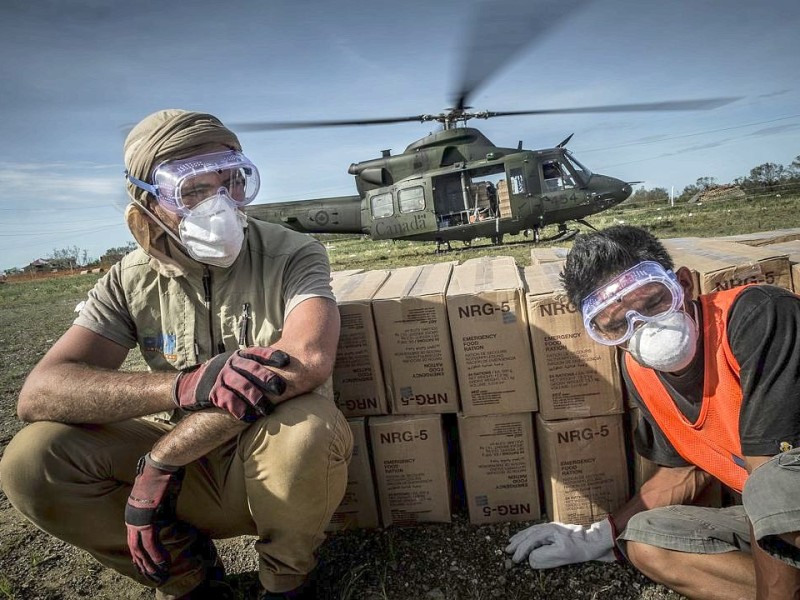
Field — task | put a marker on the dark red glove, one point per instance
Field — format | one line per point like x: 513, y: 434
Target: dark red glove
x: 151, y: 506
x: 236, y: 381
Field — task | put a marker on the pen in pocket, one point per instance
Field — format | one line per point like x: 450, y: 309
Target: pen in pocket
x: 243, y: 324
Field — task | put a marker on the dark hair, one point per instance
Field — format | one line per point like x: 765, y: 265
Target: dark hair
x: 601, y: 255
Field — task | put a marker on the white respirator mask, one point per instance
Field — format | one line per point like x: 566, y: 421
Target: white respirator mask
x: 213, y: 231
x: 668, y: 345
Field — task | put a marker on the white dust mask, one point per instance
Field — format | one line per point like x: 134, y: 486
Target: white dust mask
x: 667, y: 345
x: 213, y: 231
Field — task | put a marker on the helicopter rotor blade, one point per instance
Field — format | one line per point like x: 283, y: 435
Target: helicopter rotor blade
x: 499, y: 32
x: 565, y: 141
x: 278, y: 125
x: 675, y: 105
x: 699, y: 104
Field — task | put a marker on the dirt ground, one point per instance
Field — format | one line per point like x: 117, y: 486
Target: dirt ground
x: 434, y: 562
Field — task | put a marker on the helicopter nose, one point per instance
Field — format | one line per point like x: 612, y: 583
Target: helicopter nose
x: 624, y: 191
x: 609, y: 191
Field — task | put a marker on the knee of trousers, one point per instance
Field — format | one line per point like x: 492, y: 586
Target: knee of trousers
x: 303, y: 430
x: 32, y: 466
x: 770, y: 495
x: 764, y: 484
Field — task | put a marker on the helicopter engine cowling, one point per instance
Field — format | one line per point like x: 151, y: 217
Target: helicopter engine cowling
x: 376, y: 175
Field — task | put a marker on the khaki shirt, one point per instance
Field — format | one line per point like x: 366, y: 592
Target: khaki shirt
x: 181, y: 321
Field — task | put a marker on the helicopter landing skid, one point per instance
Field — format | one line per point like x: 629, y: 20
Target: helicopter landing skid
x: 442, y: 246
x: 561, y: 236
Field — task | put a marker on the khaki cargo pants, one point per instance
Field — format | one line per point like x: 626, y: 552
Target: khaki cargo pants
x: 280, y: 480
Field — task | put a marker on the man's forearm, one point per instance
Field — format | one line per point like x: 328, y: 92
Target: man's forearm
x: 668, y: 486
x: 307, y: 370
x: 77, y: 393
x: 196, y: 435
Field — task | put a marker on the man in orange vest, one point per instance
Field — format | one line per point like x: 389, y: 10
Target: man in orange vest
x: 717, y: 382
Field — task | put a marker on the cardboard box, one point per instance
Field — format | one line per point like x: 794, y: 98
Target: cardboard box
x: 575, y: 376
x: 358, y: 386
x: 499, y: 463
x: 410, y: 462
x: 792, y: 251
x: 763, y: 238
x: 503, y: 199
x: 584, y: 467
x: 719, y: 265
x: 548, y: 255
x: 359, y: 507
x: 344, y: 273
x: 488, y: 324
x: 414, y: 335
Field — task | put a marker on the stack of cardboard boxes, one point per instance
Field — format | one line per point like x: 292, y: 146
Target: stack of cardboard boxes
x: 579, y: 425
x: 409, y: 448
x: 488, y: 322
x: 481, y: 374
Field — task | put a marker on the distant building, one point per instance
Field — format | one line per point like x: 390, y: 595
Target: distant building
x: 40, y: 265
x: 719, y: 192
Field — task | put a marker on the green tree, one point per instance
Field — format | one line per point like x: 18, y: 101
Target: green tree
x: 122, y: 250
x: 66, y: 258
x: 767, y: 175
x: 687, y: 193
x: 794, y: 168
x: 705, y: 183
x: 644, y: 196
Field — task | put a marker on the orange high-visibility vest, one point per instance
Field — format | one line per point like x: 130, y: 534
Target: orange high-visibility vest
x: 712, y: 442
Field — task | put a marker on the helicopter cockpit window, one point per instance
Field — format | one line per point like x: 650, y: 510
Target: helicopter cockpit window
x: 582, y: 171
x: 556, y: 176
x: 411, y: 199
x: 381, y: 205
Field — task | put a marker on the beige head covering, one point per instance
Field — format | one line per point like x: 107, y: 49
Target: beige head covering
x: 165, y: 135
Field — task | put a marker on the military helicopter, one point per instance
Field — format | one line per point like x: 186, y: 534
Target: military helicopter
x: 455, y: 184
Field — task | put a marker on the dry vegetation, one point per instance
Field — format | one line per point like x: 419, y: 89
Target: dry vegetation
x: 447, y: 561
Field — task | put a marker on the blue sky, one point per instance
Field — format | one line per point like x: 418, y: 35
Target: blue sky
x: 75, y: 73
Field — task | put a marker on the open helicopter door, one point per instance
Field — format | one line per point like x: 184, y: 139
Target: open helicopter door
x: 402, y: 210
x: 520, y: 198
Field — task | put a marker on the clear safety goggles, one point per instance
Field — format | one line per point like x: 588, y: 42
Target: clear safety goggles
x: 646, y: 292
x: 178, y: 185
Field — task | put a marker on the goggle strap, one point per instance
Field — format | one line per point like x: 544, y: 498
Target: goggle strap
x: 142, y: 185
x: 159, y: 222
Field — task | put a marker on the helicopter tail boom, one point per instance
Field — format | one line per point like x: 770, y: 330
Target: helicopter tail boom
x: 341, y: 214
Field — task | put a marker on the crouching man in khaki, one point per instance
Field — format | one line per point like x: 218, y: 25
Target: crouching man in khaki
x: 233, y: 430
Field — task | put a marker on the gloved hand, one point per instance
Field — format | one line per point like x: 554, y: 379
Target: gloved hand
x: 549, y: 545
x: 236, y: 381
x: 150, y: 507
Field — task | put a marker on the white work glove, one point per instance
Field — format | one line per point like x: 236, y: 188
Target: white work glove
x: 549, y: 545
